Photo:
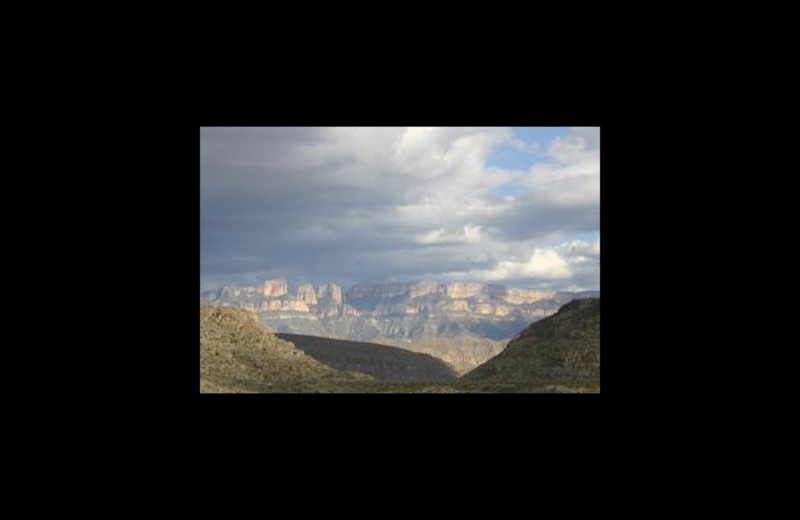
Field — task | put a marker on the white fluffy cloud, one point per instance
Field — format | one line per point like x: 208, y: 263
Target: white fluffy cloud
x: 469, y: 234
x: 572, y: 176
x: 544, y: 263
x: 580, y: 247
x: 570, y: 265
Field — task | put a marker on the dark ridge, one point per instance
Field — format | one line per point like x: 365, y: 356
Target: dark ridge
x: 379, y: 361
x: 562, y: 348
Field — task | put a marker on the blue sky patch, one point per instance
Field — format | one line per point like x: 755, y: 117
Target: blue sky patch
x: 515, y: 156
x: 509, y: 157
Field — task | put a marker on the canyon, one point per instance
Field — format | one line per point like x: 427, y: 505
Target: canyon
x: 462, y: 323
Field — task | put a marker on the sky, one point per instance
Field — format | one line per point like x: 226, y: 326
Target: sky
x: 518, y: 206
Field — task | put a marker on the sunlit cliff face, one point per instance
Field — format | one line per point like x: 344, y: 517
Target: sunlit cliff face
x: 277, y: 287
x: 423, y: 297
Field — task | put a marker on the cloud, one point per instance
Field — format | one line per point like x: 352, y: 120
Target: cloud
x: 572, y: 176
x: 432, y: 237
x: 544, y: 263
x: 524, y: 147
x: 470, y: 234
x: 580, y: 247
x: 373, y: 204
x: 572, y: 265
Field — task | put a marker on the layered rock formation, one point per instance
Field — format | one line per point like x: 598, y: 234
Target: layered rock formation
x: 307, y: 294
x: 464, y: 290
x: 331, y: 291
x: 403, y: 313
x: 275, y: 288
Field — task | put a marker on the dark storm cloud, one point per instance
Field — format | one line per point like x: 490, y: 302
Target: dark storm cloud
x: 368, y: 205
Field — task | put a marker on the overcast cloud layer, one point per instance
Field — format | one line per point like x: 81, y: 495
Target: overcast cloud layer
x: 395, y: 204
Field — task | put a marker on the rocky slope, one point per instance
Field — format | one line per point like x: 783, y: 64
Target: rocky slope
x: 563, y: 349
x: 238, y: 355
x: 447, y: 320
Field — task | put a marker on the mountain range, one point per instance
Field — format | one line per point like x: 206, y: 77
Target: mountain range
x: 462, y: 323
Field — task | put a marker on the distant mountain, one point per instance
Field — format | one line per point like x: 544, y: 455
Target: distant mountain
x: 379, y: 361
x: 447, y: 320
x: 562, y: 349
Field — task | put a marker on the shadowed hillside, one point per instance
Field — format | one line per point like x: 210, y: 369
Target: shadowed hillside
x: 561, y: 349
x: 463, y: 353
x: 379, y: 361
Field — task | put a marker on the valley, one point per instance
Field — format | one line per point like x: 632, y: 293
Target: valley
x: 463, y: 324
x: 558, y: 354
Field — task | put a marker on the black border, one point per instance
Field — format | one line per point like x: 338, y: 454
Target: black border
x: 457, y: 410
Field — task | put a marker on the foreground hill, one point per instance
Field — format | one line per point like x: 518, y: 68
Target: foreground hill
x: 382, y: 362
x: 563, y: 349
x: 238, y: 355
